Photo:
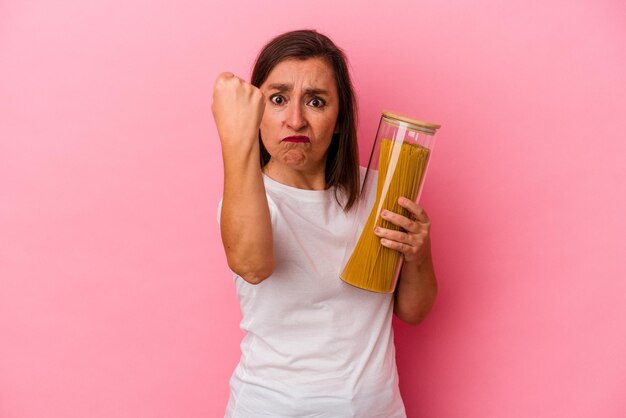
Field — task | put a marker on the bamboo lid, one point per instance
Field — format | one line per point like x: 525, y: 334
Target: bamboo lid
x: 415, y: 124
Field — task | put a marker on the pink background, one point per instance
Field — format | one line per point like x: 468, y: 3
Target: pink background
x: 115, y: 298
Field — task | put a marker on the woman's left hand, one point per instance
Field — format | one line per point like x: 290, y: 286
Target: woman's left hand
x: 413, y: 241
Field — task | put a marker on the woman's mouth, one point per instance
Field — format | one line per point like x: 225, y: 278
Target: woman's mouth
x: 296, y: 138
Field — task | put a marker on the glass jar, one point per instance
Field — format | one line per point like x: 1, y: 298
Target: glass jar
x: 397, y: 168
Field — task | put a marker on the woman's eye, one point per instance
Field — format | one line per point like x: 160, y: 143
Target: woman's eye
x: 315, y: 102
x: 277, y: 99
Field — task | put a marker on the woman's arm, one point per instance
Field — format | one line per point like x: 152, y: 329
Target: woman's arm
x: 416, y: 290
x: 417, y: 286
x: 245, y: 219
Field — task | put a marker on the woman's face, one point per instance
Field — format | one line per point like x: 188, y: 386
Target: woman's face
x: 300, y: 116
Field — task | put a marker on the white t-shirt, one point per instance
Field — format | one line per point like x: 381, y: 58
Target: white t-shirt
x: 314, y: 345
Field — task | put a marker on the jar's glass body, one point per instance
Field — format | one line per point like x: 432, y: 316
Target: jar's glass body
x: 397, y: 168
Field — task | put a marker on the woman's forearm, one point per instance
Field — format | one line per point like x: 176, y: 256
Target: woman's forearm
x: 416, y: 290
x: 245, y: 221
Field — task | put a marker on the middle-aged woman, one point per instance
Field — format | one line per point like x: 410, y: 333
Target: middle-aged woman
x: 314, y: 345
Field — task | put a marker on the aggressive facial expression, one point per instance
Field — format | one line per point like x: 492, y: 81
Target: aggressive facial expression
x: 300, y: 114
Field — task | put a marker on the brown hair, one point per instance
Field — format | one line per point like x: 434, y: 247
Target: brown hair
x: 342, y: 165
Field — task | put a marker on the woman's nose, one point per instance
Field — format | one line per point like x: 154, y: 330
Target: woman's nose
x: 295, y: 117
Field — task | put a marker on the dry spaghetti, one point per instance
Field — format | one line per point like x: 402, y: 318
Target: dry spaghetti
x: 401, y: 169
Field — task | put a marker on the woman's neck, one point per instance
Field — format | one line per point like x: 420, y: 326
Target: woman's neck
x: 301, y: 179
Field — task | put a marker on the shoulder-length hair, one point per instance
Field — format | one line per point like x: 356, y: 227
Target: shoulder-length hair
x: 342, y: 165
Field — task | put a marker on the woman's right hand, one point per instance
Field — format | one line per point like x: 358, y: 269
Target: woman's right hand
x: 238, y: 109
x: 245, y: 222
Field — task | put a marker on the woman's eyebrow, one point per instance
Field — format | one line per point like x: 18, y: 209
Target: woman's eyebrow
x: 315, y: 91
x: 280, y: 87
x: 288, y: 87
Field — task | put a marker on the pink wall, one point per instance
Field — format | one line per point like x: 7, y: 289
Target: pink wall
x: 115, y: 298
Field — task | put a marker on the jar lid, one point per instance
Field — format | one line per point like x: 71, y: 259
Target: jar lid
x: 415, y: 124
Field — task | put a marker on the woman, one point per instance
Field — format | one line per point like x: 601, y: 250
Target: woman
x: 314, y: 345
